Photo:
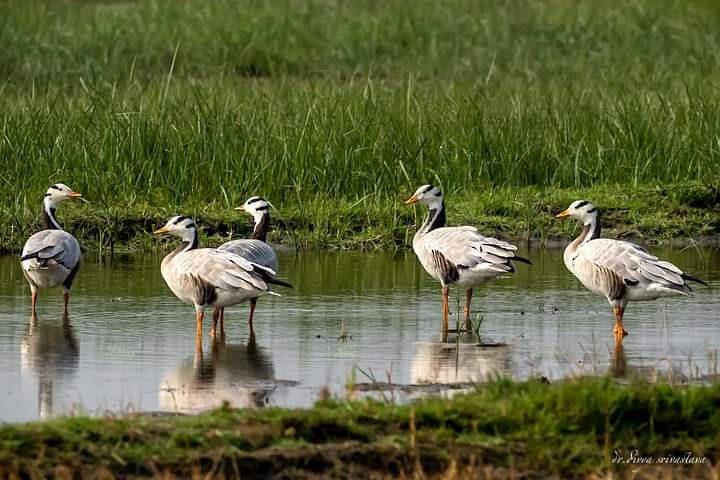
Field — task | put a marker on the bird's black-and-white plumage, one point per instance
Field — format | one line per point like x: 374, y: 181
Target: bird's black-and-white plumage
x: 52, y: 256
x: 255, y: 249
x: 209, y: 277
x: 619, y: 270
x: 458, y: 255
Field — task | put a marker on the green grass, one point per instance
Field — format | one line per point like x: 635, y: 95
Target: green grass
x: 336, y: 110
x: 567, y: 429
x: 671, y: 215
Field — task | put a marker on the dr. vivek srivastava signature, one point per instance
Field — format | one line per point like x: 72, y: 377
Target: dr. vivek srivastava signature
x: 636, y: 458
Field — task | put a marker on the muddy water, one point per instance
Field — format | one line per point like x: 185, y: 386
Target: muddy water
x: 128, y: 344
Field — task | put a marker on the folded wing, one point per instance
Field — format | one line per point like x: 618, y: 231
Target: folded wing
x: 255, y: 251
x: 50, y: 248
x: 465, y: 248
x: 224, y: 270
x: 631, y: 264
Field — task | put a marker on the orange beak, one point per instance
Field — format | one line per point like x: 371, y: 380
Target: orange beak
x: 411, y: 200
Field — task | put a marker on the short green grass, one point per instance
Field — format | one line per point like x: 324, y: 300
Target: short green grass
x: 335, y: 110
x: 567, y: 429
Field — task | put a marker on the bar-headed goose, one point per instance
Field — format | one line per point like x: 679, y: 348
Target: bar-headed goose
x: 51, y: 257
x: 457, y: 255
x: 619, y: 270
x: 208, y: 277
x: 254, y: 249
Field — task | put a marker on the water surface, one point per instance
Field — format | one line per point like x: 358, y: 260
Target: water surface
x: 129, y: 344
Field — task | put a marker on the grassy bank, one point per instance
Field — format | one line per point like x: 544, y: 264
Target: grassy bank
x: 532, y: 429
x: 671, y: 215
x: 335, y: 110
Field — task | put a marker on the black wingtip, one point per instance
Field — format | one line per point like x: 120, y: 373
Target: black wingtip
x: 275, y: 281
x: 268, y: 278
x: 521, y: 260
x: 686, y: 276
x: 29, y: 256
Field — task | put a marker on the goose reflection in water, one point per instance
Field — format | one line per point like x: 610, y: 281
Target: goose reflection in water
x: 461, y: 361
x: 51, y: 351
x: 665, y: 369
x: 242, y: 375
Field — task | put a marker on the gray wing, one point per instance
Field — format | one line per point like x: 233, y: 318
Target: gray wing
x: 51, y: 248
x: 223, y: 270
x: 466, y: 248
x: 255, y: 251
x: 630, y: 263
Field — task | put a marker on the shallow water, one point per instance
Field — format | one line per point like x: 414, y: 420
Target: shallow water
x: 129, y: 344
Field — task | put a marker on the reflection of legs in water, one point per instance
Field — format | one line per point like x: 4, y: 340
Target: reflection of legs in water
x: 222, y: 323
x: 468, y: 300
x: 66, y: 299
x: 32, y: 325
x: 253, y: 302
x: 70, y: 339
x: 619, y: 364
x: 217, y: 345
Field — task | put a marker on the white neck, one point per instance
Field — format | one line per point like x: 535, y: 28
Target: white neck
x: 257, y: 217
x: 592, y: 228
x: 190, y: 239
x: 50, y: 205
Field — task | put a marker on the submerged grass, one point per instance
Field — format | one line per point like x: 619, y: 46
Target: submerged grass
x: 570, y: 429
x: 333, y: 110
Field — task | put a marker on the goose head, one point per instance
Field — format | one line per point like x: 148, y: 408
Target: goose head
x: 255, y: 206
x: 58, y: 193
x: 179, y: 226
x: 582, y: 210
x: 427, y: 194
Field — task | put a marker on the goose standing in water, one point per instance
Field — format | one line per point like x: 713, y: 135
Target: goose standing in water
x: 208, y: 277
x: 51, y: 257
x: 619, y: 270
x: 254, y: 249
x: 457, y: 255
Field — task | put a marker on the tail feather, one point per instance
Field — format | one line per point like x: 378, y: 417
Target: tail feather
x: 41, y: 262
x: 521, y: 260
x: 268, y: 277
x: 686, y: 276
x: 282, y: 283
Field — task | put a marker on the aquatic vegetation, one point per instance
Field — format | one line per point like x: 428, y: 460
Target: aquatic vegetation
x: 574, y: 428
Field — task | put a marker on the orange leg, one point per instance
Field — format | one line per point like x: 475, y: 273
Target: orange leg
x: 468, y: 299
x: 216, y: 315
x: 199, y: 331
x: 253, y: 302
x: 66, y: 298
x: 197, y: 362
x: 34, y: 297
x: 619, y: 331
x: 446, y: 308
